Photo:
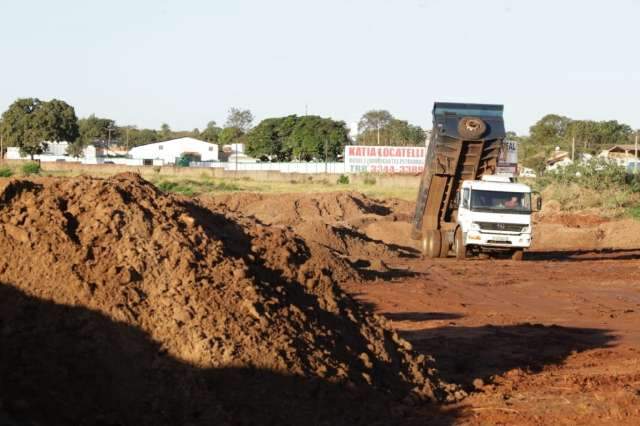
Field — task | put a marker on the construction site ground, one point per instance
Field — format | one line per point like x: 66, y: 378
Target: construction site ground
x: 551, y: 340
x: 235, y: 309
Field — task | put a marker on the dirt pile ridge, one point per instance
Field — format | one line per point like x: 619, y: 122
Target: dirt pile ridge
x: 129, y: 306
x: 348, y: 224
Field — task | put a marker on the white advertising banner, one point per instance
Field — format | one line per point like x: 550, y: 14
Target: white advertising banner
x: 384, y: 159
x: 508, y: 160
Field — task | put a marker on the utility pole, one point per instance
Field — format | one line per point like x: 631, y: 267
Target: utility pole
x: 635, y: 163
x: 109, y: 130
x: 325, y: 155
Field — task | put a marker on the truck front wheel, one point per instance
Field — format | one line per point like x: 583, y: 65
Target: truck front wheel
x: 459, y: 247
x: 518, y: 255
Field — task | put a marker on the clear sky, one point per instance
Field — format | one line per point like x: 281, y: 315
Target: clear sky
x: 187, y: 62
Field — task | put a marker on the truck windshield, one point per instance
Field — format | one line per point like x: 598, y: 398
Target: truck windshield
x: 498, y: 201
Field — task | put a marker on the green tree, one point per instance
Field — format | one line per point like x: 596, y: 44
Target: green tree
x: 29, y: 123
x: 94, y: 129
x: 75, y: 149
x: 300, y: 138
x: 379, y: 127
x: 371, y: 124
x: 316, y: 138
x: 59, y: 121
x: 211, y: 133
x: 240, y: 119
x: 139, y: 137
x: 550, y: 130
x: 165, y: 132
x: 267, y: 139
x: 231, y: 135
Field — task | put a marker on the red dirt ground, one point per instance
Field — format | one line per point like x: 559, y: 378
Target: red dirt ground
x: 554, y: 339
x: 123, y: 305
x: 551, y: 340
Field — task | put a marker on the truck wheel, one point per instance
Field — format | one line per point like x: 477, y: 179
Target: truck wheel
x: 459, y: 247
x: 471, y: 127
x: 433, y: 243
x: 518, y: 255
x: 444, y: 245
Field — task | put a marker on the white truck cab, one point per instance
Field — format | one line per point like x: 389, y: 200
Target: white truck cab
x: 493, y: 213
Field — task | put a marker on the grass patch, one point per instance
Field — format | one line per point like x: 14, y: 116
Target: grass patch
x: 196, y: 187
x: 343, y: 180
x: 6, y: 172
x: 368, y: 179
x: 31, y: 168
x: 634, y: 212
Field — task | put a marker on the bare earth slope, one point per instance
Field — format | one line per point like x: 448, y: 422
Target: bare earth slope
x: 124, y: 305
x: 551, y: 340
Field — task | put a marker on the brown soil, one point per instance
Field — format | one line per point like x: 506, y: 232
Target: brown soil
x: 551, y: 340
x: 343, y: 225
x: 123, y: 305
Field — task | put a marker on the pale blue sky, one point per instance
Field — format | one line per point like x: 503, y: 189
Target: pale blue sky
x: 187, y: 62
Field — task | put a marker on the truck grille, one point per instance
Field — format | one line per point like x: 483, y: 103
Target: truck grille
x: 504, y: 227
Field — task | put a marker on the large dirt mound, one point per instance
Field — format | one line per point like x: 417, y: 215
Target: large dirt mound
x: 124, y: 305
x: 348, y: 224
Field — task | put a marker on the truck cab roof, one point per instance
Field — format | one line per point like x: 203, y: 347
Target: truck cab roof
x: 484, y: 185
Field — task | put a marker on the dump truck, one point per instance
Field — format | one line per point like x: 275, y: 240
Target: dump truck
x: 462, y: 206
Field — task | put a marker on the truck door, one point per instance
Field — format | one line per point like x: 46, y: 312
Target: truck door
x: 463, y: 209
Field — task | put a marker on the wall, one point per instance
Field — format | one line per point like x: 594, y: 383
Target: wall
x: 192, y: 172
x: 168, y: 151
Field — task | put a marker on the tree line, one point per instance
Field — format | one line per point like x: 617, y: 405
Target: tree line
x: 29, y: 123
x: 584, y: 136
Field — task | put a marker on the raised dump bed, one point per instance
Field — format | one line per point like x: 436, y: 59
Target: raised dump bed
x: 465, y: 144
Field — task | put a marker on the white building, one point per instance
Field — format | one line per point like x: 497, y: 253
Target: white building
x: 169, y: 151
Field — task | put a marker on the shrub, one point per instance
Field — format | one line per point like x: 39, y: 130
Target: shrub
x: 343, y: 180
x: 599, y: 175
x: 31, y: 168
x: 156, y: 169
x: 369, y: 179
x: 5, y: 172
x: 634, y: 212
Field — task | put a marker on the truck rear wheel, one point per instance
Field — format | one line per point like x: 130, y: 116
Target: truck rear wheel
x: 458, y: 245
x: 518, y: 255
x: 471, y: 127
x: 432, y: 243
x: 444, y: 245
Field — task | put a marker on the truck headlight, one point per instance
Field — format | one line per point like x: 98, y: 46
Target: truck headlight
x: 474, y: 226
x: 526, y: 229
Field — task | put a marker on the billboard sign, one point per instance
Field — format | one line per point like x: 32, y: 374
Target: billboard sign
x: 384, y: 159
x: 508, y: 160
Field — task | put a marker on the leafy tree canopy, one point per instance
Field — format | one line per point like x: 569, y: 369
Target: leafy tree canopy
x: 240, y: 119
x: 298, y: 138
x: 379, y: 127
x: 94, y: 129
x: 211, y: 133
x: 29, y: 123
